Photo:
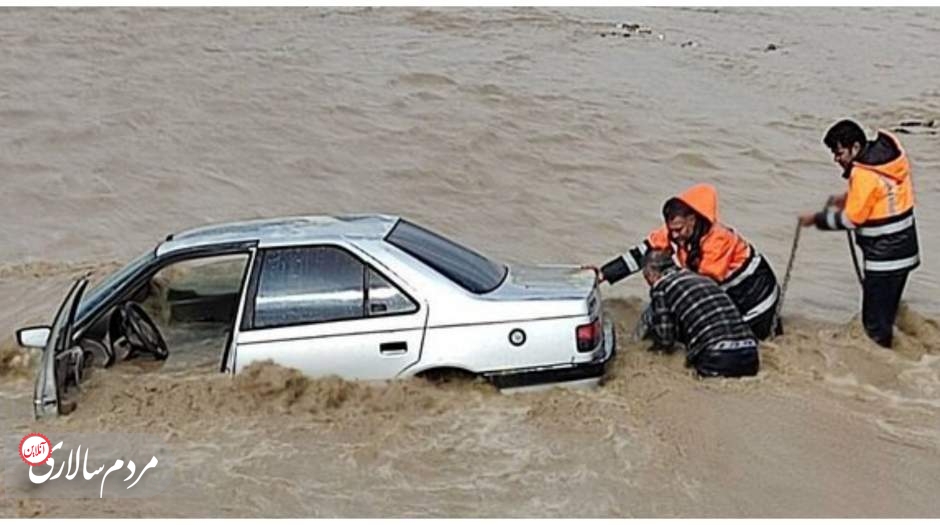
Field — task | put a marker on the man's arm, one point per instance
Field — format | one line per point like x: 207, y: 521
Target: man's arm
x: 624, y: 265
x: 861, y: 198
x: 663, y: 324
x: 855, y: 207
x: 837, y: 200
x: 833, y: 219
x: 632, y: 261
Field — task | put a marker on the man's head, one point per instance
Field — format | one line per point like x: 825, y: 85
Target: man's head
x: 680, y: 220
x: 846, y: 140
x: 657, y: 263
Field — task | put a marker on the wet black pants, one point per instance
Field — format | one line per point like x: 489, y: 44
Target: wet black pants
x: 881, y: 295
x: 728, y: 363
x: 763, y: 324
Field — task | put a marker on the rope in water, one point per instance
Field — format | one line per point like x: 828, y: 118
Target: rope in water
x: 786, y: 277
x: 858, y: 271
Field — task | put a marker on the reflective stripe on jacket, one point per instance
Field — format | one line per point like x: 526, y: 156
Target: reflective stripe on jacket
x: 726, y: 257
x: 879, y: 206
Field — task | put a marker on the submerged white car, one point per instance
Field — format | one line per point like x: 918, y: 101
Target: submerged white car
x: 361, y: 297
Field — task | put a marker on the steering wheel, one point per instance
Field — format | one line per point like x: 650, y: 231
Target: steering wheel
x: 141, y: 333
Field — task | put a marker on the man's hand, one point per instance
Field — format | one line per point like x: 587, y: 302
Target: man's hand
x: 598, y: 276
x: 807, y: 219
x: 837, y: 200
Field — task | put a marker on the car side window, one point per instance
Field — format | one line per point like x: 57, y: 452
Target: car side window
x: 385, y: 299
x: 309, y: 285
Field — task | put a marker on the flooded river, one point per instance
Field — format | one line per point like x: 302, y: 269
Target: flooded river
x: 529, y: 136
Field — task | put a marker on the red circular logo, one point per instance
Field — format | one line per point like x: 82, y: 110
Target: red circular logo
x: 35, y: 449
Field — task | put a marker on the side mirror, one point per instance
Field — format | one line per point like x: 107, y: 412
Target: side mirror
x: 33, y: 336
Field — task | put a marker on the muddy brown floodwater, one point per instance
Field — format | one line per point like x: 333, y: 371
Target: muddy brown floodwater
x: 527, y: 135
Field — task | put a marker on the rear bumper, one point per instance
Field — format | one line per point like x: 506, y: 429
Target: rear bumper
x: 592, y: 369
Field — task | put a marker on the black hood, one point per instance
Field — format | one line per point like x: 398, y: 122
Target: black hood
x: 880, y: 151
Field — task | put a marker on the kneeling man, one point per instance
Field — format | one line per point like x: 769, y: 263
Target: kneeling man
x: 692, y: 309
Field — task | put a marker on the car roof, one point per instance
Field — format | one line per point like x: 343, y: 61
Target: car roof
x: 282, y: 231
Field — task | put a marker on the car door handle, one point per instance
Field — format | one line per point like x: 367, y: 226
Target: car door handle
x: 398, y: 347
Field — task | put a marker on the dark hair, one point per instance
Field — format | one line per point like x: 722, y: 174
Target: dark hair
x: 676, y: 208
x: 845, y: 133
x: 694, y: 258
x: 659, y: 261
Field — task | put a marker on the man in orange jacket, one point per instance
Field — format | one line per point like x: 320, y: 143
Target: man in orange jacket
x: 879, y: 208
x: 703, y: 245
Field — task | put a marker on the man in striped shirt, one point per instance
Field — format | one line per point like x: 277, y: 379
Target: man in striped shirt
x: 703, y: 244
x: 692, y: 309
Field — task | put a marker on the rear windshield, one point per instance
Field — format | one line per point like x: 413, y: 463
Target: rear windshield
x: 470, y: 270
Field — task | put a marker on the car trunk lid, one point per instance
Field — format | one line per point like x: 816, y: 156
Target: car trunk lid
x: 546, y: 282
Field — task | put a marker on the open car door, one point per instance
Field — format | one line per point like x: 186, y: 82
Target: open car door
x: 62, y: 364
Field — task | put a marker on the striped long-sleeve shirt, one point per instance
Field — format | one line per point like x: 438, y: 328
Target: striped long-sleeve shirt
x: 691, y: 308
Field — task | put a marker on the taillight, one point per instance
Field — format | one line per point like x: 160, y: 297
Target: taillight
x: 588, y: 336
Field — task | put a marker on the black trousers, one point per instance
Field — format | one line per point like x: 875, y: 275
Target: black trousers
x: 727, y: 363
x: 881, y: 295
x: 763, y: 324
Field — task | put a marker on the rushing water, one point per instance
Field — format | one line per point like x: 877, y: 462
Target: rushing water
x: 528, y: 135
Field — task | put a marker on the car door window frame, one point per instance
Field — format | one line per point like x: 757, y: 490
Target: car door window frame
x: 123, y: 291
x: 248, y: 315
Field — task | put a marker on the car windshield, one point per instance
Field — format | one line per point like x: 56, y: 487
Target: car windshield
x: 93, y: 297
x: 470, y: 270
